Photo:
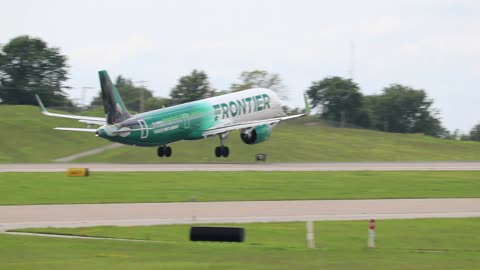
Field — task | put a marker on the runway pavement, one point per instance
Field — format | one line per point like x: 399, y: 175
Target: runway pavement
x: 319, y: 166
x: 83, y: 215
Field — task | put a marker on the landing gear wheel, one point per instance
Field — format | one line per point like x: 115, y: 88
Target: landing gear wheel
x: 164, y: 151
x: 160, y: 151
x: 226, y: 151
x: 222, y: 151
x: 168, y: 151
x: 218, y: 151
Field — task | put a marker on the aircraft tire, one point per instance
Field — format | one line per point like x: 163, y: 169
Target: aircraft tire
x: 218, y: 151
x: 168, y: 151
x: 160, y: 151
x: 225, y: 151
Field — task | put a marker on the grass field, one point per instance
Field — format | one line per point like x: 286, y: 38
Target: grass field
x: 401, y: 244
x: 291, y: 142
x: 28, y: 137
x: 54, y: 188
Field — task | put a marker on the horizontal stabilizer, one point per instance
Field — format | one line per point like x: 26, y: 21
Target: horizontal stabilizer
x: 98, y: 120
x: 76, y: 129
x: 93, y: 122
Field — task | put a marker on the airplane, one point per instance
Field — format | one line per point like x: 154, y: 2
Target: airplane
x: 254, y: 112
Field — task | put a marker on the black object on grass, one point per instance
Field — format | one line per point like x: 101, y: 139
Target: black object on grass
x: 217, y: 234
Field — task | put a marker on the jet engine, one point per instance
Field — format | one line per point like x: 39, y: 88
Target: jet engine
x: 257, y: 135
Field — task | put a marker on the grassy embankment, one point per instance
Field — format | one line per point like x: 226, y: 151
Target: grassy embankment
x: 292, y: 142
x: 28, y: 137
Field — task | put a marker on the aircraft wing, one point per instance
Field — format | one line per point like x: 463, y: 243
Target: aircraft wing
x: 84, y: 119
x: 252, y: 124
x: 244, y: 125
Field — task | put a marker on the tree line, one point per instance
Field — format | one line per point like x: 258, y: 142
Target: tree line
x: 28, y: 66
x: 398, y: 108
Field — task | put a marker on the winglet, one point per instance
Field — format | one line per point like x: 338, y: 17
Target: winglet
x: 307, y: 104
x: 42, y: 108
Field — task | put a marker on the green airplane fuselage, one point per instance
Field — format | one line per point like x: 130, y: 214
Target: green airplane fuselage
x: 189, y: 121
x: 253, y: 112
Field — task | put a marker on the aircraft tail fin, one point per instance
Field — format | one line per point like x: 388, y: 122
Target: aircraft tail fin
x: 113, y: 105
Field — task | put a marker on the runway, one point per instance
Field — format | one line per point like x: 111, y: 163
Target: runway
x: 314, y: 166
x: 80, y: 215
x: 85, y: 215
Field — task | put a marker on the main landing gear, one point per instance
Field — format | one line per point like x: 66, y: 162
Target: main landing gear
x: 222, y: 151
x: 164, y: 151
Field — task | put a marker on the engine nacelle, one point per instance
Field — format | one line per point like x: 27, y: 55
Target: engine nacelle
x: 257, y: 135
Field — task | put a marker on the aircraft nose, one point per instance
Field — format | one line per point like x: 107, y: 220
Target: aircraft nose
x: 100, y: 132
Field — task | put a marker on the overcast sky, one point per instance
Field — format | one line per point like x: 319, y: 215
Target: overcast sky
x: 432, y: 45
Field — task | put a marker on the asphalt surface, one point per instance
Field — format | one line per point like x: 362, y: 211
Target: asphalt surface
x: 321, y: 166
x: 85, y: 215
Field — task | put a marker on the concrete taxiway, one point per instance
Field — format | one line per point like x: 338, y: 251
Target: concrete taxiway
x: 320, y: 166
x: 85, y: 215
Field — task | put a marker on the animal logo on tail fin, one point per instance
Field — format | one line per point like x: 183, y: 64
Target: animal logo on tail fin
x: 113, y: 105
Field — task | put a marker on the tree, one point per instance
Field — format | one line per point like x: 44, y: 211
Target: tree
x: 155, y: 103
x: 131, y: 95
x: 339, y: 99
x: 475, y: 133
x: 191, y: 87
x: 261, y: 79
x: 27, y: 67
x: 405, y: 110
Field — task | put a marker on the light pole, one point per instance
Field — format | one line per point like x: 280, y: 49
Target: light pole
x: 84, y: 94
x: 141, y: 87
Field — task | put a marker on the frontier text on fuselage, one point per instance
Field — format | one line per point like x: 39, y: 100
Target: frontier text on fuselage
x: 241, y: 106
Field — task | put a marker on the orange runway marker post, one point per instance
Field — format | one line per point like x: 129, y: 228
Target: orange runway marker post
x: 371, y: 233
